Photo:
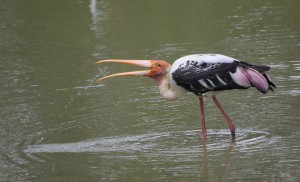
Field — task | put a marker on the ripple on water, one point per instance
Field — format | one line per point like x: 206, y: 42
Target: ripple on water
x: 164, y: 143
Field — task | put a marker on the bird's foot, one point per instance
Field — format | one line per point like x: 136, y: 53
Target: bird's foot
x: 233, y: 134
x: 204, y: 135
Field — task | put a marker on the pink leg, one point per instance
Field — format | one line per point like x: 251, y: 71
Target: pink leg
x: 230, y: 124
x: 204, y: 134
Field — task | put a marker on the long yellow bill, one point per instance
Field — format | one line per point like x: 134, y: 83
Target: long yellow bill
x: 143, y: 63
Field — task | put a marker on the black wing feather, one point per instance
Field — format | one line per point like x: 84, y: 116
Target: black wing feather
x: 189, y: 75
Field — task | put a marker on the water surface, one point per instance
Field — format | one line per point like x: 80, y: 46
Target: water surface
x: 57, y: 124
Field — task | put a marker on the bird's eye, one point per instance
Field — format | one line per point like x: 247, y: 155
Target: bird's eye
x: 159, y: 65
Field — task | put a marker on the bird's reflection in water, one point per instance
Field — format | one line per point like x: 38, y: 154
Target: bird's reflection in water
x: 224, y: 165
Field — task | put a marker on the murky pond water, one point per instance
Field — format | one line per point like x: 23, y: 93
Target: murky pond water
x: 57, y: 124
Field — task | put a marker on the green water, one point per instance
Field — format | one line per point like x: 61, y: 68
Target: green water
x: 57, y: 124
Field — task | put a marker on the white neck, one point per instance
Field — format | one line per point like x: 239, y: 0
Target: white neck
x: 169, y: 90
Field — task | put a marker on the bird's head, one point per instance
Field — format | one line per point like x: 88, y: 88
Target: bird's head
x: 157, y: 68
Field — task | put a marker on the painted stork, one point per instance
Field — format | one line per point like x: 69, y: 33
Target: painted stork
x: 202, y: 74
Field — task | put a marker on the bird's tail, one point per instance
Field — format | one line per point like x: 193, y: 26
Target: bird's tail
x: 259, y: 79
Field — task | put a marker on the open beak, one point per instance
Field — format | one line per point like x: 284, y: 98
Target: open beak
x: 143, y: 63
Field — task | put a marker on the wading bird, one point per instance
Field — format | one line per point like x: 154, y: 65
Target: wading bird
x: 202, y: 74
